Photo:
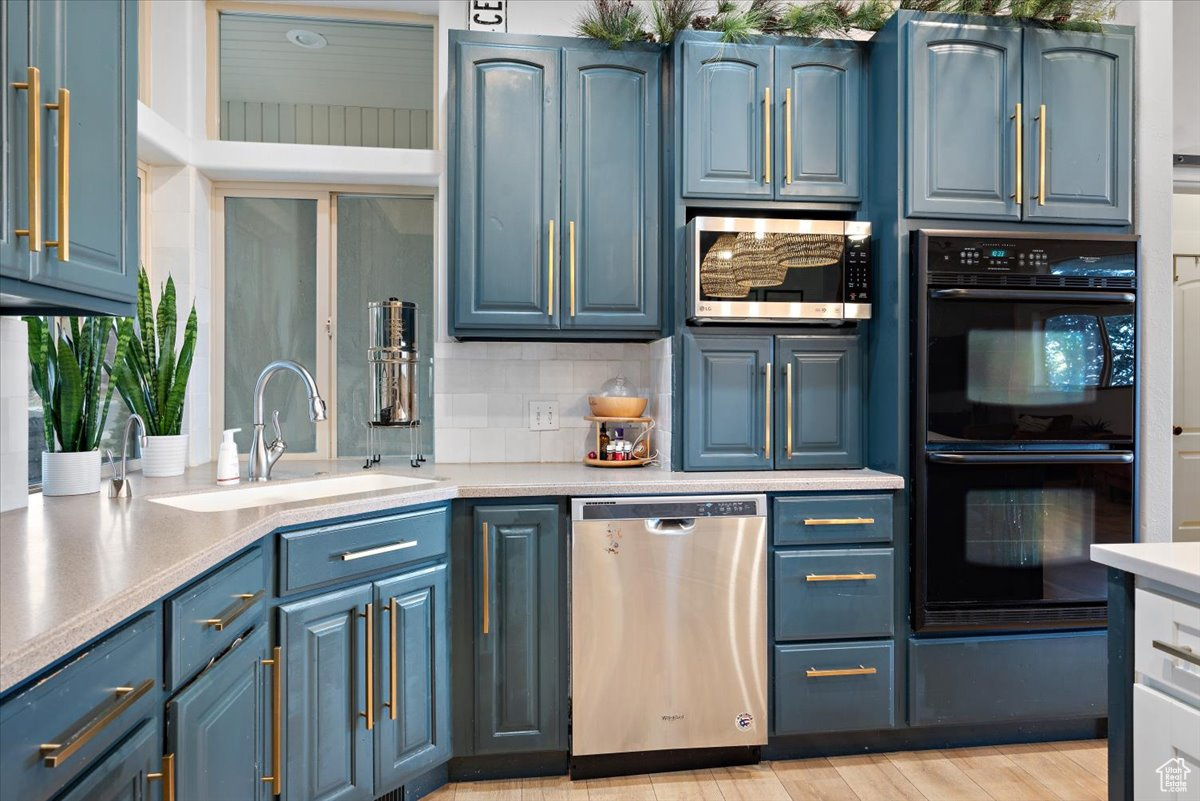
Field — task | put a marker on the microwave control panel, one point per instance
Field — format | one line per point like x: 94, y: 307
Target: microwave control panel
x: 858, y: 271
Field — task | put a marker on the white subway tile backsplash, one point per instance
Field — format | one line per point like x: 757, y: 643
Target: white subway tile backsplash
x: 487, y: 445
x: 507, y: 411
x: 538, y: 351
x: 469, y: 410
x: 521, y: 445
x: 556, y: 376
x: 452, y: 445
x: 522, y: 376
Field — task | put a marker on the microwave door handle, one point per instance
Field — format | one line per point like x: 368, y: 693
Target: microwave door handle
x: 1033, y: 457
x: 960, y: 293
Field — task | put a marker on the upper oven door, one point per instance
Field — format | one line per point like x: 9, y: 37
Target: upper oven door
x: 1027, y: 366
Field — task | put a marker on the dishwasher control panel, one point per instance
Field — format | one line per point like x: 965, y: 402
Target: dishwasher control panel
x: 669, y: 508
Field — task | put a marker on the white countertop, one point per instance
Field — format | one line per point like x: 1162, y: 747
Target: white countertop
x: 1176, y: 564
x: 73, y: 567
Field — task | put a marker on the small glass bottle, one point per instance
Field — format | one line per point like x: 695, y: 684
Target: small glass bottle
x: 603, y: 451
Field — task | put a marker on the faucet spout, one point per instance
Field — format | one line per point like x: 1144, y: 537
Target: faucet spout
x: 263, y: 456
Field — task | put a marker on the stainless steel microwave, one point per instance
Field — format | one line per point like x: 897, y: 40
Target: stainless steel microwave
x: 761, y: 270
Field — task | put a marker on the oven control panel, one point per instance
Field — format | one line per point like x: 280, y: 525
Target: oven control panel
x: 1010, y: 253
x: 858, y: 270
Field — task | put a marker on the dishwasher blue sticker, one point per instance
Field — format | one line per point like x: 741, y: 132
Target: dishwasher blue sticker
x: 745, y: 721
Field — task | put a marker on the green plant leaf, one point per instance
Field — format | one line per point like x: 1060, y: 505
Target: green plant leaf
x: 165, y: 371
x: 145, y: 317
x: 42, y: 372
x: 69, y: 396
x: 173, y: 414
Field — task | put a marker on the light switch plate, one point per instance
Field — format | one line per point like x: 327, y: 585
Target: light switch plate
x: 543, y: 415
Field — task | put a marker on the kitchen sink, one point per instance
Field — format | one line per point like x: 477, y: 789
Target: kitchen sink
x: 269, y: 493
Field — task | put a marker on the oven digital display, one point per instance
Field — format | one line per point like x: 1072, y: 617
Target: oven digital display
x: 999, y: 253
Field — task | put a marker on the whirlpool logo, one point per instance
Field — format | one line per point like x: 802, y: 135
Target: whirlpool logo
x: 671, y: 718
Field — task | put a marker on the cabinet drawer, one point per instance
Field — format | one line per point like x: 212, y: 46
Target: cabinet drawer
x: 833, y: 594
x: 1166, y: 634
x: 825, y: 519
x: 324, y: 555
x: 80, y: 709
x: 1164, y: 730
x: 205, y: 618
x: 833, y: 687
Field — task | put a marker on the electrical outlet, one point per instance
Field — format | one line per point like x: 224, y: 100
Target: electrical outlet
x: 543, y: 415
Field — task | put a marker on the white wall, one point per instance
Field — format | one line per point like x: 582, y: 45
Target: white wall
x: 1185, y: 234
x: 14, y: 414
x: 1186, y: 135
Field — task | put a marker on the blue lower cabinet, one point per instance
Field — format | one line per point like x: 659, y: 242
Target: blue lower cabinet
x: 129, y: 773
x: 413, y: 664
x: 824, y: 519
x: 833, y: 594
x: 218, y: 728
x: 327, y: 745
x: 833, y: 687
x: 818, y: 413
x: 1027, y: 677
x: 726, y: 403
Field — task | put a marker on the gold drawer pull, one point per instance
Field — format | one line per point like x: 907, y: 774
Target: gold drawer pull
x: 369, y: 684
x: 1178, y: 651
x: 244, y: 602
x: 276, y: 664
x: 393, y: 610
x: 813, y: 673
x: 839, y: 521
x: 841, y: 577
x: 63, y: 242
x: 166, y: 776
x: 54, y: 754
x: 350, y: 556
x: 32, y: 85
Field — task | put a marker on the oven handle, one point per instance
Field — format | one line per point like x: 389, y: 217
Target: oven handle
x: 1043, y: 457
x: 1031, y: 294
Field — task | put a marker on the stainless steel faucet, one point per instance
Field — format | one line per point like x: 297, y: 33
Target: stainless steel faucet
x: 119, y: 486
x: 262, y: 456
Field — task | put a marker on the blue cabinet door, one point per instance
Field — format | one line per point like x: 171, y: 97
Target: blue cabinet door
x: 819, y: 406
x: 90, y: 187
x: 726, y: 402
x: 1079, y: 102
x: 218, y: 728
x: 327, y: 747
x: 504, y: 167
x: 123, y: 775
x: 610, y: 241
x: 15, y: 255
x: 520, y: 694
x: 964, y: 84
x: 818, y: 100
x: 414, y: 675
x: 726, y: 111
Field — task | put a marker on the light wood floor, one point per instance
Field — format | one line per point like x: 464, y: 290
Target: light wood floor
x: 1066, y: 771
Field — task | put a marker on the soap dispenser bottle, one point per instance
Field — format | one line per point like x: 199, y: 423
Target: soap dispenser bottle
x: 227, y: 459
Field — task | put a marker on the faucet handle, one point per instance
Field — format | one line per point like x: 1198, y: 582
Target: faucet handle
x: 275, y: 424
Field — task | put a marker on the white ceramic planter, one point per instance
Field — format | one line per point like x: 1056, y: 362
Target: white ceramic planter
x: 165, y: 456
x: 70, y: 473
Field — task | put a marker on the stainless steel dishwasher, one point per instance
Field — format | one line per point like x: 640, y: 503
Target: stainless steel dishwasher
x: 668, y: 623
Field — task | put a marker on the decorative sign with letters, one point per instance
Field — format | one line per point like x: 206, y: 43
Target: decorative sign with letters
x: 487, y: 15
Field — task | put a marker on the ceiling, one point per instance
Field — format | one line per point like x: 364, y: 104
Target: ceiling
x: 363, y: 64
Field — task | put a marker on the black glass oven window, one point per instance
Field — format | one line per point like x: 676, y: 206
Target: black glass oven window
x: 765, y: 267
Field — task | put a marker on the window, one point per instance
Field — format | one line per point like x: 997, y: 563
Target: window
x: 296, y: 271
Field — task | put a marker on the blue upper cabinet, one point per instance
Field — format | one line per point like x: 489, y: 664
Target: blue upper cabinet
x: 819, y: 99
x: 81, y: 251
x: 820, y: 403
x: 505, y: 168
x: 610, y: 189
x: 964, y: 86
x: 1077, y: 98
x: 727, y: 397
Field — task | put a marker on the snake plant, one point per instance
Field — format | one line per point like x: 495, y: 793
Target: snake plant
x: 67, y: 372
x: 152, y: 378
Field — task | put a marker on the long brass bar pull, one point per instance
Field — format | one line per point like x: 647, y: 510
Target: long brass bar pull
x: 1019, y: 135
x: 839, y: 521
x: 840, y: 577
x: 276, y: 664
x: 63, y: 242
x: 571, y: 249
x: 767, y: 414
x: 487, y: 603
x: 550, y: 273
x: 55, y: 754
x: 369, y: 715
x: 1177, y: 651
x: 787, y: 375
x: 244, y: 602
x: 767, y: 135
x: 166, y: 776
x: 393, y: 610
x: 32, y: 85
x: 350, y: 556
x: 814, y: 673
x: 1042, y: 155
x: 787, y: 142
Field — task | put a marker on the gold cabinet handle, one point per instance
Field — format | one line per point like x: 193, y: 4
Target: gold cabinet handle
x: 814, y: 673
x: 787, y: 375
x: 63, y: 243
x: 550, y: 273
x: 767, y: 135
x: 571, y: 252
x: 32, y: 85
x: 369, y: 715
x: 166, y: 776
x: 787, y: 143
x: 486, y: 601
x: 55, y: 754
x: 393, y: 610
x: 239, y: 607
x: 350, y: 556
x: 276, y: 664
x: 1042, y: 154
x: 840, y: 577
x: 1019, y: 135
x: 767, y: 425
x: 1177, y: 651
x: 839, y: 521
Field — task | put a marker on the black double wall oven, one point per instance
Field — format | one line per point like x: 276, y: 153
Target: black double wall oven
x: 1024, y: 430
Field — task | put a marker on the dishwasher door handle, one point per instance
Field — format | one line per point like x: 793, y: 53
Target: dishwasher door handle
x: 671, y: 526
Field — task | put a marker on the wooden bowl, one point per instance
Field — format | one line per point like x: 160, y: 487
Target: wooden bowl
x: 607, y: 406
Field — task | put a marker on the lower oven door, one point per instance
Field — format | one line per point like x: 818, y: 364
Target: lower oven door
x: 1003, y: 540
